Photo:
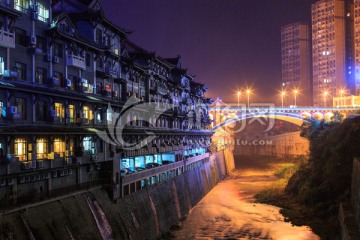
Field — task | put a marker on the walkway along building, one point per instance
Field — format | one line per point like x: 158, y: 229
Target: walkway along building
x: 61, y: 64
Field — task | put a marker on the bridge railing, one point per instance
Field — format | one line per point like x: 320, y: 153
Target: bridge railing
x: 293, y: 115
x: 277, y: 109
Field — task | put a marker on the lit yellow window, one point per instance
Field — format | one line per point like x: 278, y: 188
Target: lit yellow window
x: 59, y: 146
x: 88, y: 113
x: 116, y: 51
x: 59, y: 109
x: 70, y: 150
x: 41, y: 148
x: 20, y: 148
x: 72, y: 113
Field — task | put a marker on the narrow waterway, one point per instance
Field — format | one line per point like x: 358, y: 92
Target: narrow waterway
x: 229, y: 212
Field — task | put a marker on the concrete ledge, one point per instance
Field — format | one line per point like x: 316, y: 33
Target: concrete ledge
x: 349, y: 227
x: 25, y: 207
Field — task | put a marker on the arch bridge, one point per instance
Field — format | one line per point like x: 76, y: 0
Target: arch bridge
x: 223, y: 115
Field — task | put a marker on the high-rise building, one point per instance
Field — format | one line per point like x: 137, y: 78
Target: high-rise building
x: 356, y: 17
x: 332, y: 51
x: 296, y: 61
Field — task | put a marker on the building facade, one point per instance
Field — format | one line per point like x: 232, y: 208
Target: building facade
x: 356, y: 17
x: 61, y: 64
x: 332, y: 51
x: 296, y: 61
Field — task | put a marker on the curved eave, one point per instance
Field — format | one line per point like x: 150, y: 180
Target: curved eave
x: 141, y: 54
x: 67, y: 37
x: 122, y: 32
x: 140, y: 68
x: 164, y: 63
x: 10, y: 12
x: 96, y: 16
x: 179, y: 70
x: 109, y: 52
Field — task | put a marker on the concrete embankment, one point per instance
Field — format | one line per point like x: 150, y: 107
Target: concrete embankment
x: 349, y: 212
x: 145, y: 214
x: 282, y: 146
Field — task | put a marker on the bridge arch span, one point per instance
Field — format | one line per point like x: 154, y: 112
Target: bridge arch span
x: 284, y: 116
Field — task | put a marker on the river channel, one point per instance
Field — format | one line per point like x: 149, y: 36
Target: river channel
x: 229, y: 212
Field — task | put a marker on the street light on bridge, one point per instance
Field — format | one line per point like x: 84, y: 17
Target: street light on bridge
x: 342, y: 91
x: 326, y: 93
x: 248, y: 92
x: 296, y: 92
x: 283, y: 93
x: 238, y: 97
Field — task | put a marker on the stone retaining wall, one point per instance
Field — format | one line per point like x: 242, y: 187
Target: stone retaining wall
x: 349, y: 214
x: 355, y: 188
x: 284, y: 145
x: 142, y: 215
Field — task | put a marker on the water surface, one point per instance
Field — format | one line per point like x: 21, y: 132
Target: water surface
x: 229, y: 212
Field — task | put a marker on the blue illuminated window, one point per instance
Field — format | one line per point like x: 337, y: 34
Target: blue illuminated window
x: 43, y: 12
x: 21, y: 5
x: 2, y: 110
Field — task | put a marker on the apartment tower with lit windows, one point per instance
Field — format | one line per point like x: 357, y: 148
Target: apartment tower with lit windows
x: 332, y: 50
x: 296, y: 62
x: 356, y: 17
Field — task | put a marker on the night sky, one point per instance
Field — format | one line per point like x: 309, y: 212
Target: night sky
x: 227, y: 44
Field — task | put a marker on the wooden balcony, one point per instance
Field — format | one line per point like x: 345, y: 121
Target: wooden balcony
x: 7, y: 39
x: 161, y: 90
x: 111, y: 72
x: 76, y: 61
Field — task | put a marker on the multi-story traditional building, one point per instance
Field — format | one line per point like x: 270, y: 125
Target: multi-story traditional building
x: 296, y: 61
x: 61, y: 64
x: 332, y: 52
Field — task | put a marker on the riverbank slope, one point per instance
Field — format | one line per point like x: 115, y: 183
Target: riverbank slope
x: 229, y: 211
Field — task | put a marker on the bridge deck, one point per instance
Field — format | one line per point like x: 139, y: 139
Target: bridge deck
x: 306, y: 109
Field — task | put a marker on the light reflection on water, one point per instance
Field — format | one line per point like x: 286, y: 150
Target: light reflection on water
x: 229, y: 212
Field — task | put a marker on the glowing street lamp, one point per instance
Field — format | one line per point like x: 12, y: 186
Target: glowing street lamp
x: 248, y: 92
x: 326, y: 93
x: 283, y: 93
x: 238, y: 97
x: 296, y: 92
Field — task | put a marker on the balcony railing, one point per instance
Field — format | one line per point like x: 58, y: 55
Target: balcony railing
x: 152, y: 150
x: 111, y: 72
x: 161, y: 90
x: 76, y: 61
x: 7, y: 39
x: 131, y: 178
x: 123, y: 76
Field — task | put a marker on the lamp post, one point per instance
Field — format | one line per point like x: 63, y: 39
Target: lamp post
x: 283, y: 93
x: 248, y: 92
x: 238, y: 97
x: 296, y: 91
x: 325, y: 95
x: 342, y: 91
